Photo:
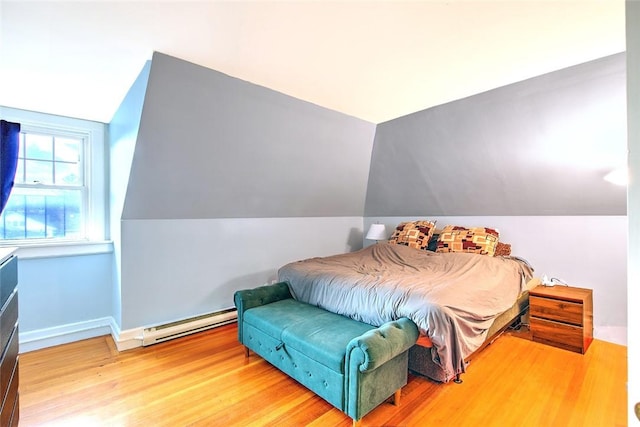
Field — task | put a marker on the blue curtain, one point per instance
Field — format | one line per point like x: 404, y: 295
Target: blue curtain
x: 9, y: 137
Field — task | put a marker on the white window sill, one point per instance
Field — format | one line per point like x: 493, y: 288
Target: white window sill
x: 62, y: 249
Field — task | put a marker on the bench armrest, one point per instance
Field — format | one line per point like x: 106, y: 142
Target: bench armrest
x: 262, y: 295
x: 377, y: 346
x: 256, y: 297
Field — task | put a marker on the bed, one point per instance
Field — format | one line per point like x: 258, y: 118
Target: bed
x: 459, y: 299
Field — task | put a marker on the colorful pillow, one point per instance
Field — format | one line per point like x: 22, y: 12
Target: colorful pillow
x: 415, y: 234
x: 503, y: 249
x: 477, y: 240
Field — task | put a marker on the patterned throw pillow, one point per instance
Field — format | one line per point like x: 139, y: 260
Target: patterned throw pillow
x: 415, y: 234
x: 477, y: 240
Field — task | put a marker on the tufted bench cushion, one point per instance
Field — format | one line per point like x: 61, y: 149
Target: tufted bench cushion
x: 352, y: 365
x: 317, y: 333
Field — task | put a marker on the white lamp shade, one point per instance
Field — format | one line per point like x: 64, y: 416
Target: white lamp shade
x: 376, y: 232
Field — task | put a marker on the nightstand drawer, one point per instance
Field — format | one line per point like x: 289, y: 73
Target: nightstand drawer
x: 557, y: 334
x: 555, y: 309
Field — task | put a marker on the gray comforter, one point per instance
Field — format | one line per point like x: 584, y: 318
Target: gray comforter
x: 452, y: 297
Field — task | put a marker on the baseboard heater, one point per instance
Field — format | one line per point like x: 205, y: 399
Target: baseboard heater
x: 180, y: 328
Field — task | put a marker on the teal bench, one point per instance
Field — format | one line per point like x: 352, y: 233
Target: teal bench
x: 352, y: 365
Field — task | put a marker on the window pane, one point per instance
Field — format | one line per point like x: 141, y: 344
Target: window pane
x: 38, y: 171
x: 55, y: 216
x: 38, y: 146
x: 36, y: 225
x: 63, y: 215
x: 68, y: 174
x: 12, y: 220
x: 39, y: 214
x: 67, y: 149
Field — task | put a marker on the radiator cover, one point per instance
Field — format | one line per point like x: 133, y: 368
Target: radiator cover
x: 180, y: 328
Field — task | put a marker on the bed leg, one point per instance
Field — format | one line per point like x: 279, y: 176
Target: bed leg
x: 457, y: 380
x: 355, y: 423
x: 246, y: 351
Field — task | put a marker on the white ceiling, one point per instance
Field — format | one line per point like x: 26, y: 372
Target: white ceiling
x: 373, y: 60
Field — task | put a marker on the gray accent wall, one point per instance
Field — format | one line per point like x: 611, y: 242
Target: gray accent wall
x: 229, y: 181
x: 537, y: 147
x: 213, y: 146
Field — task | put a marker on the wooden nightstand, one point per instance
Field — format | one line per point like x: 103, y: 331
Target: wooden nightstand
x: 562, y: 316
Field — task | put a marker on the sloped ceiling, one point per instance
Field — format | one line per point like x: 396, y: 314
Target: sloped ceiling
x: 373, y: 60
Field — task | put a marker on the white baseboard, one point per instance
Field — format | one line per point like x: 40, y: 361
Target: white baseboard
x: 127, y: 339
x: 614, y: 334
x: 49, y: 337
x: 64, y: 334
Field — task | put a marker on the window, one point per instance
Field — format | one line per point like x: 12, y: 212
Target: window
x: 49, y: 198
x: 58, y: 202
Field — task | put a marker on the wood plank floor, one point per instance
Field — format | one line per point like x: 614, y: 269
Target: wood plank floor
x: 205, y: 380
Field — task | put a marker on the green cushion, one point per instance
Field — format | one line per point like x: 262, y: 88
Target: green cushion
x: 321, y: 335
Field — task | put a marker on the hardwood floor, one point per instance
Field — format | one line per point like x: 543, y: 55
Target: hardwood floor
x: 205, y: 380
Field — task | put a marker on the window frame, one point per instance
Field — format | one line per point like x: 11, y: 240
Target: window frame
x: 95, y: 161
x: 84, y: 188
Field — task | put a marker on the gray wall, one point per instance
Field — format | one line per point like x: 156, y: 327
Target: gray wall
x: 538, y: 147
x: 229, y: 181
x: 212, y: 146
x: 633, y: 96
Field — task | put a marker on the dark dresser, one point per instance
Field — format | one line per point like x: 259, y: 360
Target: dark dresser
x: 10, y: 408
